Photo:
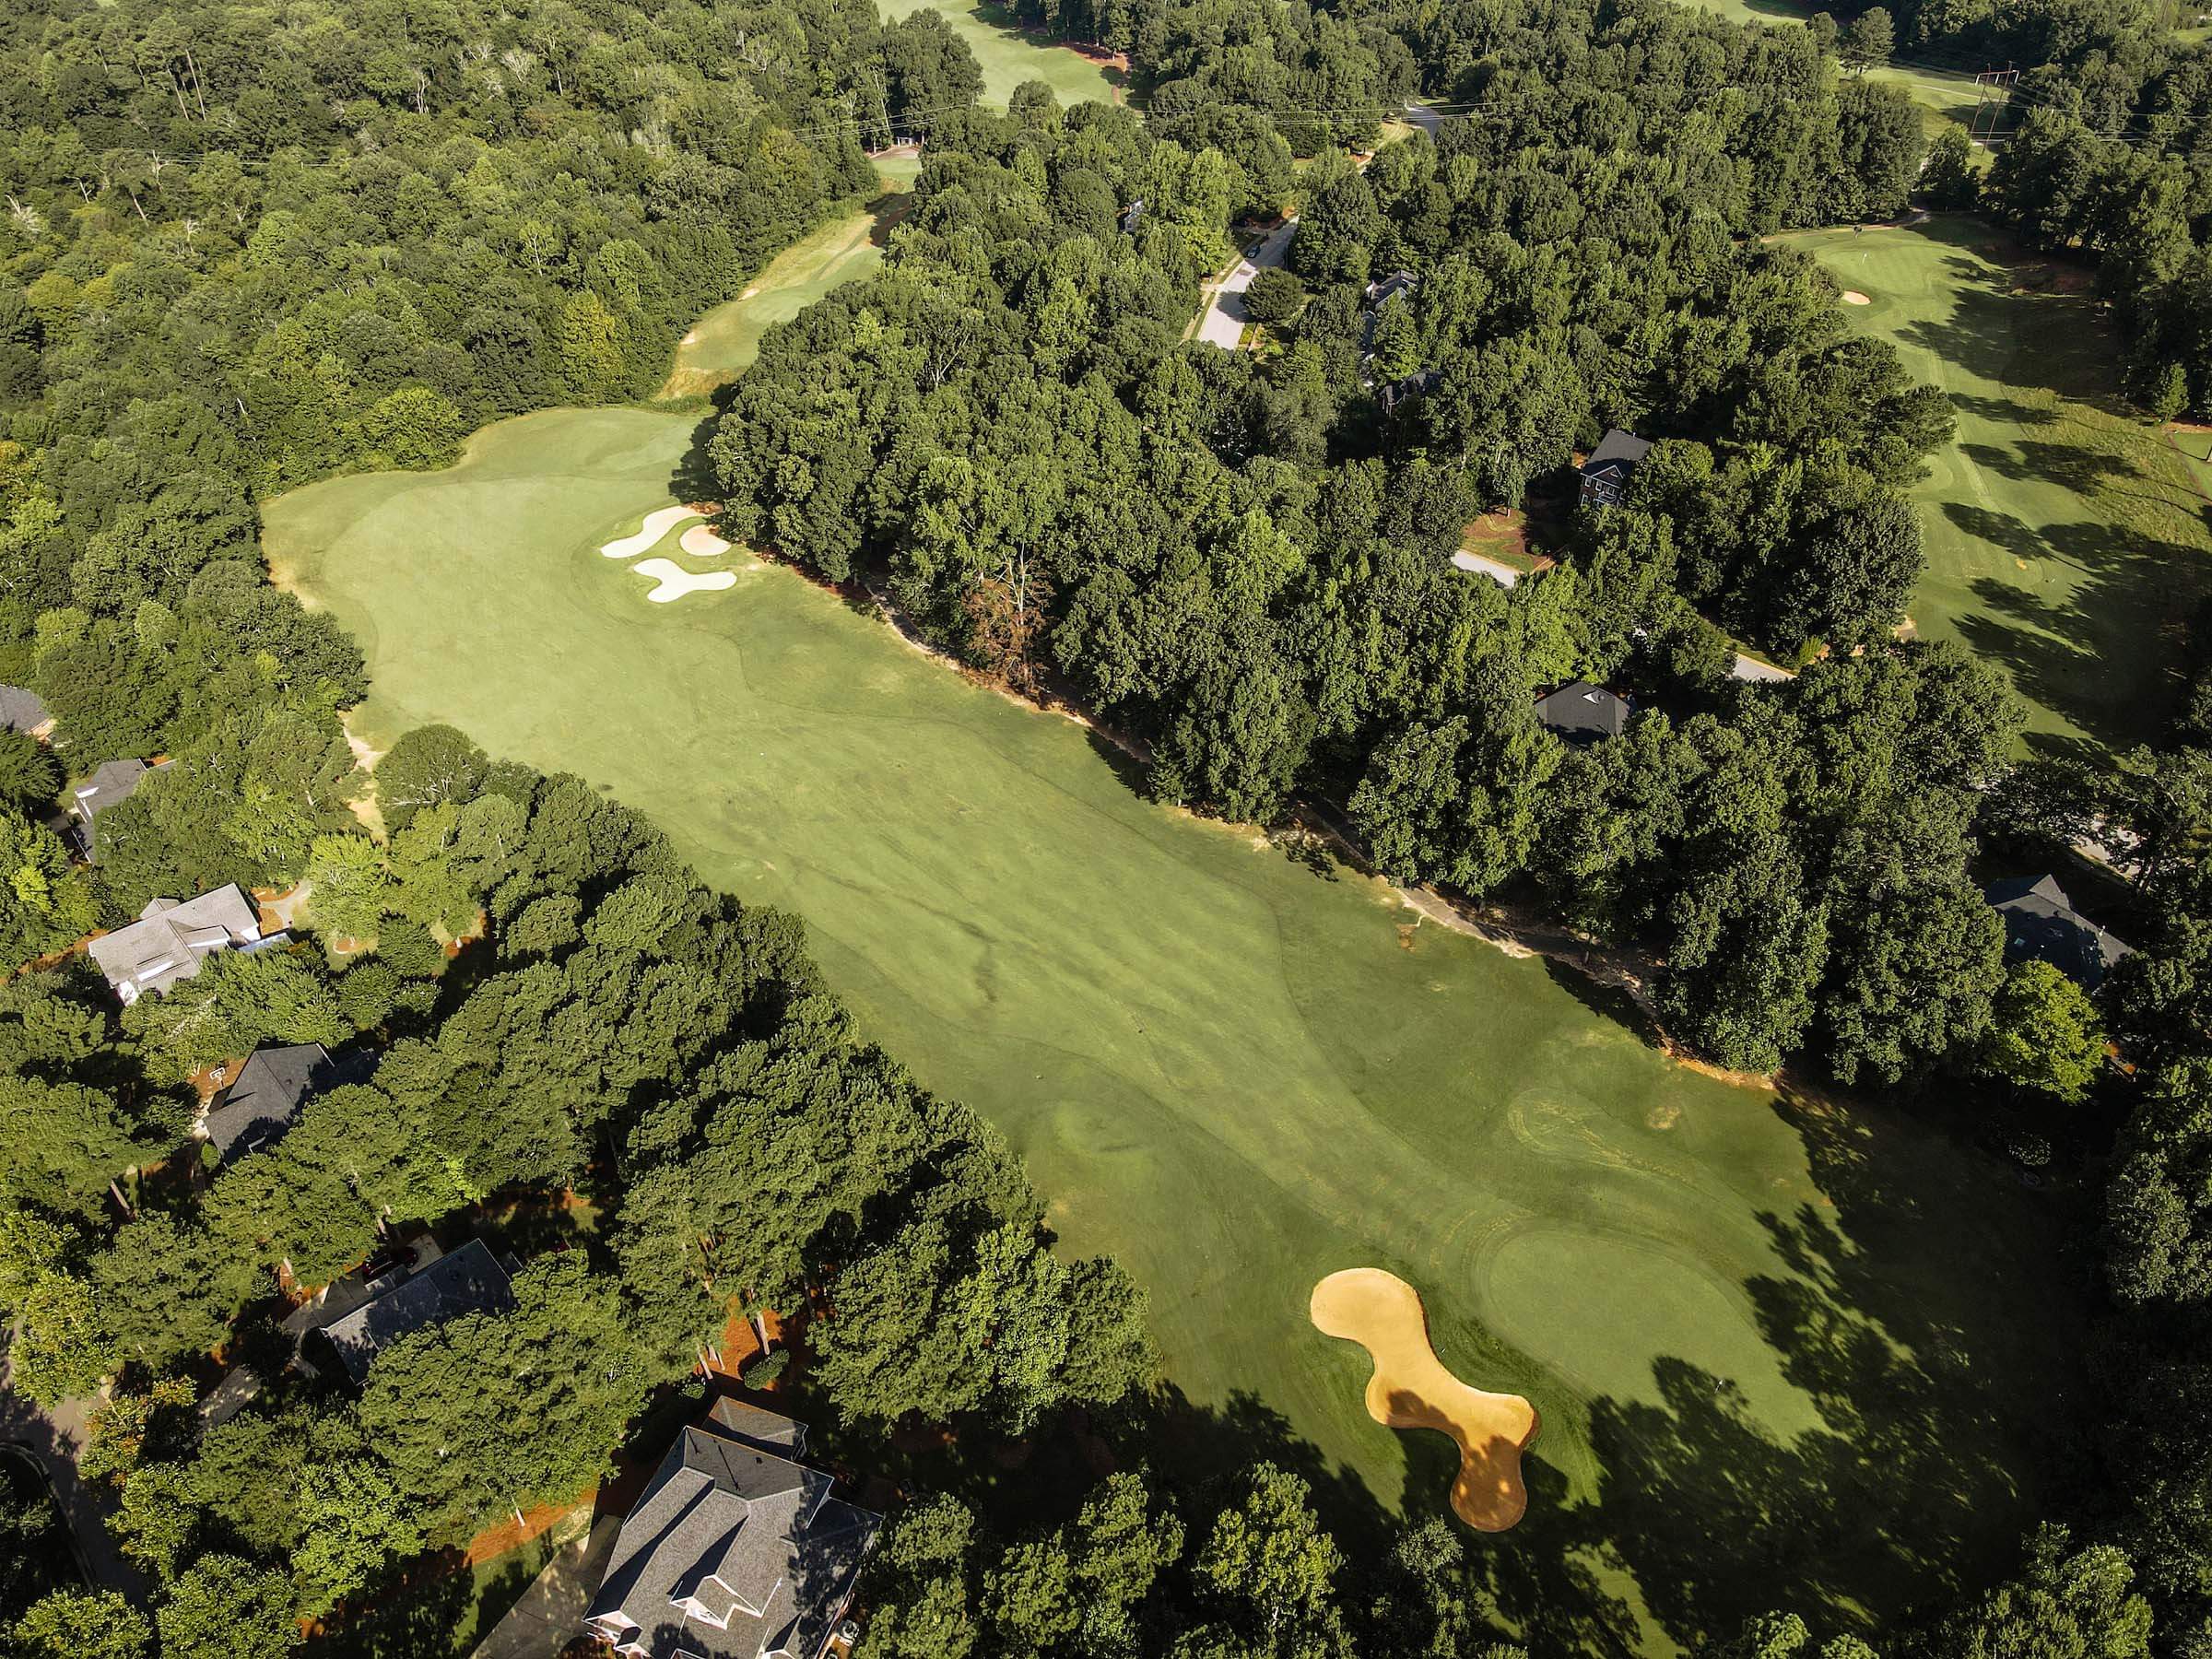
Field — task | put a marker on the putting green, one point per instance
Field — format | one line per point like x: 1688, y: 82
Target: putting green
x: 1240, y: 1075
x: 845, y: 248
x: 2067, y: 537
x: 1009, y: 55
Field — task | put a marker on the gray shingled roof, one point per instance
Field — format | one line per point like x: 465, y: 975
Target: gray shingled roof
x: 733, y: 1552
x: 1617, y: 455
x: 170, y: 941
x: 1584, y: 711
x: 260, y: 1103
x: 2042, y: 923
x: 467, y: 1280
x: 22, y: 710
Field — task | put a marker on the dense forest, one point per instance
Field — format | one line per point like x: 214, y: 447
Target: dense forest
x: 247, y: 246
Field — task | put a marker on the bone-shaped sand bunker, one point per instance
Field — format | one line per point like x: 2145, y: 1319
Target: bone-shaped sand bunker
x: 1411, y: 1389
x: 657, y: 525
x: 672, y: 581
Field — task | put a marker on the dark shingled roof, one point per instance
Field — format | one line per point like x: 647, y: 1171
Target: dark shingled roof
x: 1583, y: 711
x: 1616, y: 453
x: 467, y: 1280
x: 733, y: 1552
x: 2042, y: 923
x: 272, y: 1086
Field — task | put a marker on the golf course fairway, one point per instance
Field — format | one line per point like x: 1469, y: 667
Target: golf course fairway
x: 2067, y: 539
x: 1784, y: 1354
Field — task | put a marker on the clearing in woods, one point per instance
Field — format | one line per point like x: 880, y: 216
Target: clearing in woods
x: 2067, y: 536
x: 1236, y: 1074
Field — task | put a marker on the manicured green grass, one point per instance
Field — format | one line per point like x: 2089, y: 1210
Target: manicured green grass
x: 1780, y: 1357
x: 844, y: 249
x: 1943, y: 96
x: 2066, y: 538
x: 1010, y: 54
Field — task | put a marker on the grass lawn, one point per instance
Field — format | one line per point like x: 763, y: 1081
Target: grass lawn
x: 1010, y: 54
x: 2067, y: 537
x: 845, y: 248
x: 1782, y: 1356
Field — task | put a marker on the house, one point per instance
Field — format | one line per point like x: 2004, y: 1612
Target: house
x: 467, y: 1280
x: 110, y: 786
x: 1399, y: 394
x: 1583, y: 713
x: 1397, y: 282
x: 24, y: 711
x: 268, y: 1091
x: 1606, y: 473
x: 1131, y: 215
x: 169, y: 941
x: 736, y: 1550
x: 2041, y: 924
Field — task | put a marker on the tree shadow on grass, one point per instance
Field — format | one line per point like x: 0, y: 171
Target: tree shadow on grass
x: 412, y: 1615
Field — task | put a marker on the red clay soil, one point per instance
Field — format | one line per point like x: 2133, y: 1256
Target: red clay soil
x: 739, y: 1343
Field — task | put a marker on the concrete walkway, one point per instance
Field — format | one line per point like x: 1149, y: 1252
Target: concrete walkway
x: 550, y: 1613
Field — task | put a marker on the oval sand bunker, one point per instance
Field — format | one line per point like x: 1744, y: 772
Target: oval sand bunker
x: 1852, y: 296
x: 672, y: 581
x: 1411, y: 1389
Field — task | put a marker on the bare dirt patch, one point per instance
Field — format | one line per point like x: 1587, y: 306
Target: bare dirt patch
x: 1411, y: 1389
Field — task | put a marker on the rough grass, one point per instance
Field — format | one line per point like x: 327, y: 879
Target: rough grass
x: 2067, y: 537
x: 1783, y: 1357
x: 1009, y: 55
x: 845, y: 248
x: 1943, y: 96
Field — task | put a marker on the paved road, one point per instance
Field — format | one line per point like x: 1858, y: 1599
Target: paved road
x: 54, y: 1438
x: 1223, y: 323
x: 1422, y: 116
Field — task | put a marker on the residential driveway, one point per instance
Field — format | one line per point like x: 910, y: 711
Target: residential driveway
x: 550, y: 1613
x: 53, y: 1439
x: 1223, y: 323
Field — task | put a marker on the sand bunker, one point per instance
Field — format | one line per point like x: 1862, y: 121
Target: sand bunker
x: 1852, y: 296
x: 657, y: 525
x: 702, y: 543
x: 1411, y: 1389
x: 672, y: 581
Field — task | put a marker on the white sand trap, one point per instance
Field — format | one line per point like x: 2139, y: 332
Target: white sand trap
x: 672, y: 581
x: 657, y: 525
x: 702, y: 543
x: 1852, y: 296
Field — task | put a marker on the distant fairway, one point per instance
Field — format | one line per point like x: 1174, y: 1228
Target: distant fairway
x: 2066, y: 538
x: 1943, y: 96
x: 1780, y: 1357
x: 849, y: 246
x: 1009, y: 54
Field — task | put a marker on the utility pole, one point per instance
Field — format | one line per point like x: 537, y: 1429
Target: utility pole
x: 1993, y: 98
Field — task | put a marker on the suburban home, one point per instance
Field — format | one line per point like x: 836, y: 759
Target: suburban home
x: 1399, y: 394
x: 1397, y: 282
x: 735, y: 1550
x: 169, y: 941
x: 268, y: 1091
x: 24, y: 711
x: 2041, y: 924
x: 1606, y: 473
x: 1583, y: 713
x: 467, y: 1280
x: 110, y: 786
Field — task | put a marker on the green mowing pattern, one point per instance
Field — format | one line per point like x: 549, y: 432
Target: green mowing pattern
x: 2066, y: 538
x: 1778, y: 1356
x: 846, y: 248
x: 1009, y: 54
